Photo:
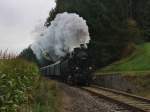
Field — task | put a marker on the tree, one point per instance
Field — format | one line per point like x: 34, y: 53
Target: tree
x: 28, y: 55
x: 109, y: 24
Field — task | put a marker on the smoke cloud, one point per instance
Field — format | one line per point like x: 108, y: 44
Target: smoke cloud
x: 66, y: 32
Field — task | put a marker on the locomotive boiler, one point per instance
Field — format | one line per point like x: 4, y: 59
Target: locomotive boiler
x: 74, y: 69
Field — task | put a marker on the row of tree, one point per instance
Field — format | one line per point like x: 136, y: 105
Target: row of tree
x: 114, y: 25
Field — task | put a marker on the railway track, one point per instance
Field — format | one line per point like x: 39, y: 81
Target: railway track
x: 136, y: 103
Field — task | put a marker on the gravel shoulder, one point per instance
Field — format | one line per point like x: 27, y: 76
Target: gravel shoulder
x: 77, y: 100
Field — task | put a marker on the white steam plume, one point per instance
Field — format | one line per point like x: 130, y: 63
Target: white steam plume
x: 66, y: 32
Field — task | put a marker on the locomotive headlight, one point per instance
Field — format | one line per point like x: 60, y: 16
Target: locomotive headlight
x: 77, y: 68
x: 90, y: 68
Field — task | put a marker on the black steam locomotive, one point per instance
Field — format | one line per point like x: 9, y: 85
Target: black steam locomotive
x: 74, y: 69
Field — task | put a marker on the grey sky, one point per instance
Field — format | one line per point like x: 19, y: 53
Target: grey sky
x: 18, y: 19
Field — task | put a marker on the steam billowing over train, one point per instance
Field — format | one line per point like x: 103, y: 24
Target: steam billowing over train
x: 61, y: 41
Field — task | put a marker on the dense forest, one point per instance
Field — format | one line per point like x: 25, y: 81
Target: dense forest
x: 114, y: 25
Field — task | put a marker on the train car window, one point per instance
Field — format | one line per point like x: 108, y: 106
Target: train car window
x: 54, y: 70
x: 58, y: 69
x: 47, y: 71
x: 51, y: 70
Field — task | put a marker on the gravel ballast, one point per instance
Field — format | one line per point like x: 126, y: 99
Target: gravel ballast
x: 77, y: 100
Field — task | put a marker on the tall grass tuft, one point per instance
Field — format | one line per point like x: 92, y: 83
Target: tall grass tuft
x: 45, y: 97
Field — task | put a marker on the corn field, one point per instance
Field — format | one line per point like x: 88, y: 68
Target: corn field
x: 17, y: 77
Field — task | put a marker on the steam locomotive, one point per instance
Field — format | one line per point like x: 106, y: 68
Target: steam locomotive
x: 74, y: 69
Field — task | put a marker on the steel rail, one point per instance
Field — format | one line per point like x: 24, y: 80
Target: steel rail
x: 136, y: 103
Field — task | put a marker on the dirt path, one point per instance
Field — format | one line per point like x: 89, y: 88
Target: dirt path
x: 77, y: 100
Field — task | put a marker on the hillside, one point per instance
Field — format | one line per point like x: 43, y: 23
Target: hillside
x: 138, y: 61
x: 111, y: 28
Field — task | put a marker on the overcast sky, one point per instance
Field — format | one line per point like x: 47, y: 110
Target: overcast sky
x: 18, y: 19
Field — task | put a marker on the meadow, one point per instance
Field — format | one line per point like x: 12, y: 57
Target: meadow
x: 138, y: 61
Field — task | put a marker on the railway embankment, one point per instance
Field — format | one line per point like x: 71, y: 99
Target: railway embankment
x: 130, y: 74
x: 131, y: 82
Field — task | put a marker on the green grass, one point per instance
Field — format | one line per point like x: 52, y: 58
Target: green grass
x: 138, y: 61
x: 45, y: 97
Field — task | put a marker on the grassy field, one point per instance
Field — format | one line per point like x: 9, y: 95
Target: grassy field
x: 22, y: 89
x: 138, y: 61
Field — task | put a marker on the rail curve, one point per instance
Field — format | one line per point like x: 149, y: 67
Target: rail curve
x: 136, y: 103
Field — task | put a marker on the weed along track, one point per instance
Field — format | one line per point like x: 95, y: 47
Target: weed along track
x: 136, y: 103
